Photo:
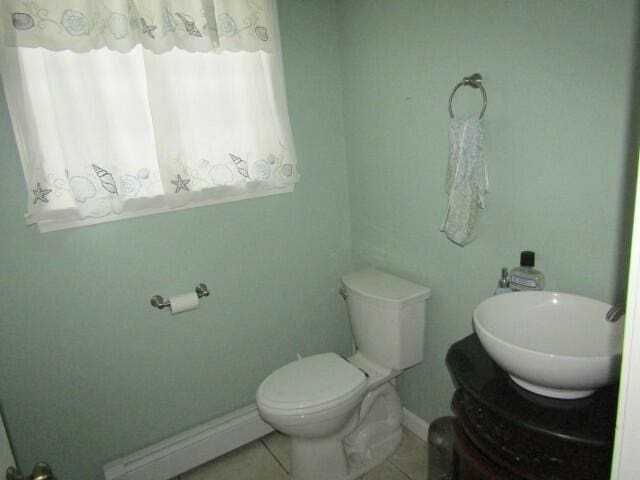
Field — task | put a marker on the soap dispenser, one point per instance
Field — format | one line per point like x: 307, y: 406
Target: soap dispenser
x: 503, y: 283
x: 525, y: 277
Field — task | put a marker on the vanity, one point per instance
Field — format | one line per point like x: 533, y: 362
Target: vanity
x: 504, y: 432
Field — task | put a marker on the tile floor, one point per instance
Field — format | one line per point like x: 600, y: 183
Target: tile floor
x: 269, y: 459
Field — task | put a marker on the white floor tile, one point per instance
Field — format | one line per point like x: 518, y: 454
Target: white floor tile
x: 246, y: 463
x: 411, y: 456
x: 280, y: 447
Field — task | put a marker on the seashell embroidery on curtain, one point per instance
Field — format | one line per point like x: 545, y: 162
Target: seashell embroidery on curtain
x: 82, y: 25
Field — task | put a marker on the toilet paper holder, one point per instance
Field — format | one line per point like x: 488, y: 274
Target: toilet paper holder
x: 160, y: 303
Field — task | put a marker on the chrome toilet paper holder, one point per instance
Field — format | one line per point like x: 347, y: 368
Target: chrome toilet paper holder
x: 159, y: 302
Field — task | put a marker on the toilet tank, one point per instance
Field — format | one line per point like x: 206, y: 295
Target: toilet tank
x: 387, y: 316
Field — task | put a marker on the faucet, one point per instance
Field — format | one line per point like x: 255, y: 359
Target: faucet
x: 615, y: 312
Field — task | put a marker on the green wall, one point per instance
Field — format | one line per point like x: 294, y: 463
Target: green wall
x: 90, y: 372
x: 557, y: 75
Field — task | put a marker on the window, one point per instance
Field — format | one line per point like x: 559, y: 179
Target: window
x: 109, y: 130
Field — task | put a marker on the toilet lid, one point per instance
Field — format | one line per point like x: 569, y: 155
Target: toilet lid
x: 311, y: 381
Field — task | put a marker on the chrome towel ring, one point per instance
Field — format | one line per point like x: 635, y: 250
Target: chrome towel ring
x: 474, y: 81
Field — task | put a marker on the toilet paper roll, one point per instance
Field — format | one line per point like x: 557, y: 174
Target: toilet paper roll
x: 184, y: 303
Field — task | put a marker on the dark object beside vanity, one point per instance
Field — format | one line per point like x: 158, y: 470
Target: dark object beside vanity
x: 502, y: 432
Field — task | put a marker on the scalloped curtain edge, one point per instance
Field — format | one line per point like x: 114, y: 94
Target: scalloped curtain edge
x: 55, y: 225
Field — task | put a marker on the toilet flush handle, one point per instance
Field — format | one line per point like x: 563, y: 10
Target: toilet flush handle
x: 343, y: 293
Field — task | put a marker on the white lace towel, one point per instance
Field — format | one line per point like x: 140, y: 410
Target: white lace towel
x: 467, y: 180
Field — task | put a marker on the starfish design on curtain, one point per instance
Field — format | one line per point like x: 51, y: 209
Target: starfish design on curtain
x: 41, y: 194
x: 181, y: 184
x: 147, y: 28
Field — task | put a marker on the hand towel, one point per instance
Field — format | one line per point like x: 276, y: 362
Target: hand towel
x: 467, y: 180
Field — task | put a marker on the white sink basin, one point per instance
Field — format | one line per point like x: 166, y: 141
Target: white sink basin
x: 553, y: 344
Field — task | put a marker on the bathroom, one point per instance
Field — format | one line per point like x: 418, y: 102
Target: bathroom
x: 90, y: 372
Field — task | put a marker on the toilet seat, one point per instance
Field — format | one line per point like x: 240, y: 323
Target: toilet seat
x: 312, y: 384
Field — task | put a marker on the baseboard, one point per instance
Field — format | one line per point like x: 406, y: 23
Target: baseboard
x: 201, y: 444
x: 189, y: 449
x: 415, y: 424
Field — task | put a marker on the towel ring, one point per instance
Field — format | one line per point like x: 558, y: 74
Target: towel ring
x: 474, y: 81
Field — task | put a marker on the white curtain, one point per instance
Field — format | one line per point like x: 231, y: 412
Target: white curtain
x: 105, y: 135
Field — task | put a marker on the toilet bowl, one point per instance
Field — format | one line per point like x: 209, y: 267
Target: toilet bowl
x: 314, y: 396
x: 343, y: 415
x: 342, y: 420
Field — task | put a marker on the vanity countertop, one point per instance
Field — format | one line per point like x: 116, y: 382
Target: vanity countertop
x: 589, y: 420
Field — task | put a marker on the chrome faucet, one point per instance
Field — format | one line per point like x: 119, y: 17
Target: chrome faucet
x: 615, y: 312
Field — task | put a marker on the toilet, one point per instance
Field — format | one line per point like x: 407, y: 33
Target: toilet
x: 343, y: 415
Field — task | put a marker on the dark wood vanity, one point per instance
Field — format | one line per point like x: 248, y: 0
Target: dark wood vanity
x: 503, y: 432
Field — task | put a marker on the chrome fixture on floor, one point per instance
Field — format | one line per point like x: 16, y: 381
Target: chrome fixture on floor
x: 41, y: 471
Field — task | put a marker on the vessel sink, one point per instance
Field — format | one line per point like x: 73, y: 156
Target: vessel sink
x: 554, y: 344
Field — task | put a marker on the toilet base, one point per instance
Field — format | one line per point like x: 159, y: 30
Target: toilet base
x: 368, y: 439
x: 381, y: 451
x: 310, y: 458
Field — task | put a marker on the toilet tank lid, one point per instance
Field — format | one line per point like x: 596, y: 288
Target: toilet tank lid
x: 384, y: 286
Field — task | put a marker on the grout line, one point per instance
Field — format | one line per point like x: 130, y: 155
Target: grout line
x: 274, y: 456
x: 399, y: 467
